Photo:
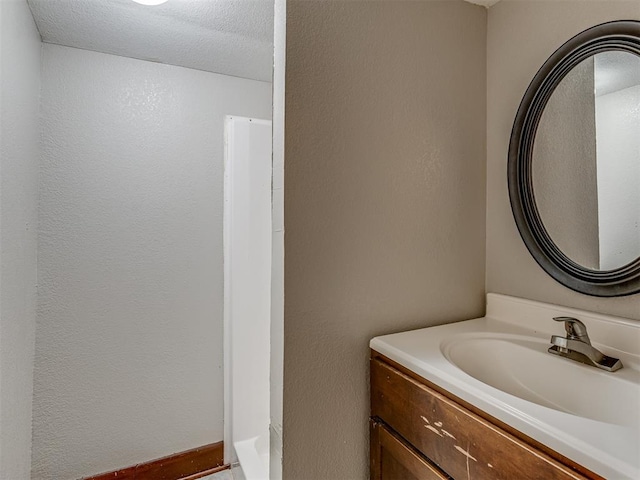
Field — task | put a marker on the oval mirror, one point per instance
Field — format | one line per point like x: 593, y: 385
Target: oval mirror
x: 574, y: 162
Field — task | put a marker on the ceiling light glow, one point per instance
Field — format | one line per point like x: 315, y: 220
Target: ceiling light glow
x: 150, y: 2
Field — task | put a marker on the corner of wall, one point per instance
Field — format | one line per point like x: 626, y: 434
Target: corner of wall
x: 19, y: 157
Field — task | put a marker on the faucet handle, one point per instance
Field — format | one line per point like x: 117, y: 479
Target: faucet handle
x: 576, y: 330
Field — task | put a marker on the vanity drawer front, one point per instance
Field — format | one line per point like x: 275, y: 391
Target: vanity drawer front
x: 460, y: 442
x: 393, y: 459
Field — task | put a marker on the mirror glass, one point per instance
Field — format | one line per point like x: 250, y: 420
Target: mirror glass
x: 586, y: 162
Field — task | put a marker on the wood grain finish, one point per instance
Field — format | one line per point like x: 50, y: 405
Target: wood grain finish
x: 187, y: 465
x: 482, y: 414
x: 393, y: 459
x: 461, y: 443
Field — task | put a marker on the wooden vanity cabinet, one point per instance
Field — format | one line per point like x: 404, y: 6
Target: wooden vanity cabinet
x: 419, y: 431
x: 392, y: 457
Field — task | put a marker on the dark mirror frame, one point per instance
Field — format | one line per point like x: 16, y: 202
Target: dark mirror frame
x: 622, y: 35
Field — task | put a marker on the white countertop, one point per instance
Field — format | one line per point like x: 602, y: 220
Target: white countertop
x: 607, y: 449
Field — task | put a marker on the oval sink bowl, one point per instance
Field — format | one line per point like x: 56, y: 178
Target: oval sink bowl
x: 521, y: 366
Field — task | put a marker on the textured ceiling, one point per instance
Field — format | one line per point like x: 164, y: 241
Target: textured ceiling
x: 616, y: 71
x: 232, y: 37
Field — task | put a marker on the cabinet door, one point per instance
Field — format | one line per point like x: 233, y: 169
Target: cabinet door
x: 464, y: 445
x: 392, y: 459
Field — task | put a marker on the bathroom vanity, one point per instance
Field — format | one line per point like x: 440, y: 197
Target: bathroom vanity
x: 484, y: 398
x: 447, y: 434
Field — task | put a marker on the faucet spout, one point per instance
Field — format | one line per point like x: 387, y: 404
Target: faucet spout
x: 577, y: 346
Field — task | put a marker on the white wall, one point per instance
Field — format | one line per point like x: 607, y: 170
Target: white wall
x: 129, y: 342
x: 521, y: 36
x: 618, y: 132
x: 19, y: 95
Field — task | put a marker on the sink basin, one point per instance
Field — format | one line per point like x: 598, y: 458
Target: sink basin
x: 499, y: 364
x: 521, y: 366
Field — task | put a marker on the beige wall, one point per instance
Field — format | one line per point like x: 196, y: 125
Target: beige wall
x: 521, y: 36
x: 564, y: 166
x: 384, y: 203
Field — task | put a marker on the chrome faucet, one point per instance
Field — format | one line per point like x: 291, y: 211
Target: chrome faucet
x: 577, y: 346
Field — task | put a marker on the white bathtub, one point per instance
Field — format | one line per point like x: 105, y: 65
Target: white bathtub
x: 253, y: 455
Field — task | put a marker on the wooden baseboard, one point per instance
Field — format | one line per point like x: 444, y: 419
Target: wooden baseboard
x: 187, y: 465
